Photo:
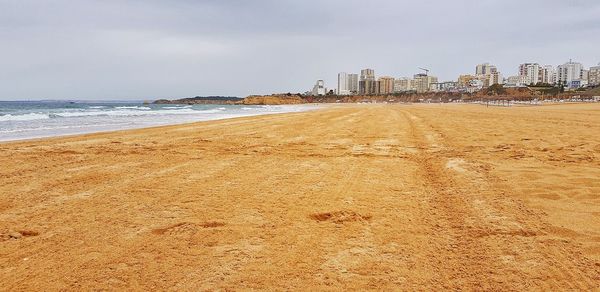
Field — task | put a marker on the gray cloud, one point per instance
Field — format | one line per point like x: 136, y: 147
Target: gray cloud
x: 152, y: 49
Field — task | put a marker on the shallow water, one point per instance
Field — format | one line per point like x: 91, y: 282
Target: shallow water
x: 36, y: 119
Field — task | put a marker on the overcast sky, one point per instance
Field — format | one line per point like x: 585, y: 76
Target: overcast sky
x: 146, y: 49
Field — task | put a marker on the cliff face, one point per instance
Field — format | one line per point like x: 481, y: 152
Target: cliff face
x: 273, y: 100
x: 201, y: 100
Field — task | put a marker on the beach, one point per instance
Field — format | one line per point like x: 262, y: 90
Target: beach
x: 424, y: 197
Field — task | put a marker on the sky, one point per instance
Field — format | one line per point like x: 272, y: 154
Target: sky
x: 150, y: 49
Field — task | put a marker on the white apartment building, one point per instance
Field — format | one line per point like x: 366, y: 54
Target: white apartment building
x: 548, y: 74
x: 496, y: 78
x: 531, y: 72
x: 534, y: 73
x: 569, y: 71
x: 585, y: 74
x: 523, y: 68
x: 353, y: 83
x: 342, y: 86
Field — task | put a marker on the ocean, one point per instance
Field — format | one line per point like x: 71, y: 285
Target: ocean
x: 37, y: 119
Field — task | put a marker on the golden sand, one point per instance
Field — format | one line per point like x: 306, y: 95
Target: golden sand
x: 361, y: 197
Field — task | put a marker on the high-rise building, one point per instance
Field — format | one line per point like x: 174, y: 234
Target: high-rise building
x: 368, y: 87
x: 386, y: 85
x: 497, y: 78
x: 594, y: 76
x: 353, y: 83
x: 342, y: 87
x: 531, y: 71
x: 522, y: 69
x: 547, y: 74
x: 569, y: 71
x: 422, y: 82
x: 367, y: 84
x: 319, y: 88
x: 367, y: 74
x: 485, y: 69
x: 488, y: 74
x: 402, y: 84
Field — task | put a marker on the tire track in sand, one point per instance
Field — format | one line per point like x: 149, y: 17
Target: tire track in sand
x: 462, y: 260
x: 494, y: 241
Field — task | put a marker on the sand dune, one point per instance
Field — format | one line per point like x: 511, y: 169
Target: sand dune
x: 351, y: 197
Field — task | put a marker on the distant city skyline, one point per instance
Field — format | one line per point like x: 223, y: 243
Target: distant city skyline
x: 112, y: 50
x: 570, y: 75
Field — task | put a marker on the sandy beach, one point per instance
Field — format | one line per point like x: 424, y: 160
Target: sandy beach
x: 351, y: 197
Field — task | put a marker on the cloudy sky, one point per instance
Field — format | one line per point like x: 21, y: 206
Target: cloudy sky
x: 146, y: 49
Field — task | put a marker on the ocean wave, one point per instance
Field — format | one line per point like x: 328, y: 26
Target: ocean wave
x: 24, y: 117
x: 54, y: 128
x: 68, y: 120
x: 212, y: 111
x: 134, y: 107
x: 126, y: 113
x: 139, y: 111
x: 96, y: 107
x: 176, y: 107
x: 109, y: 113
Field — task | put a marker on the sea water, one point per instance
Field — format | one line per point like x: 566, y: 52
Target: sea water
x: 37, y: 119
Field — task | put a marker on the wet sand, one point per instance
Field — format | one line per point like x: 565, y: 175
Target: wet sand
x: 351, y: 197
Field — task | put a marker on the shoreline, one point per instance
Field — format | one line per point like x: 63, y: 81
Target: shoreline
x: 307, y: 107
x: 317, y: 106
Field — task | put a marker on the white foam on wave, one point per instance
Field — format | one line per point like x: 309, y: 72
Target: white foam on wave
x: 212, y: 111
x: 133, y: 111
x: 134, y: 107
x: 111, y: 113
x: 68, y: 121
x: 24, y: 117
x: 54, y: 128
x: 177, y: 107
x: 125, y: 113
